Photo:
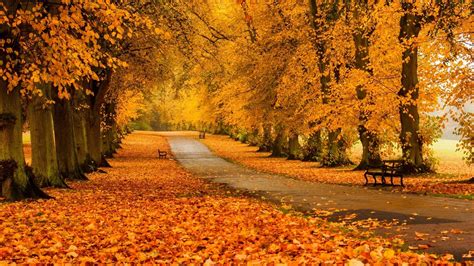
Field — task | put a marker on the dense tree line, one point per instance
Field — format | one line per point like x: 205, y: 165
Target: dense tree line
x: 306, y: 79
x: 62, y: 77
x: 302, y: 79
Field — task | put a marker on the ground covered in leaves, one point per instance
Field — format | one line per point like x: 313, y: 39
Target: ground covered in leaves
x: 445, y: 183
x: 145, y: 209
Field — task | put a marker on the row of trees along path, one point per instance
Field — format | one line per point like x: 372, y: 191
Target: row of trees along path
x: 57, y: 59
x: 77, y: 72
x: 328, y: 72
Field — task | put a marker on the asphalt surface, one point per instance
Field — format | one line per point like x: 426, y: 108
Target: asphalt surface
x: 447, y: 224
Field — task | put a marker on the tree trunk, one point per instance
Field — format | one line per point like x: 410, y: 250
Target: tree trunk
x: 82, y: 149
x: 110, y: 141
x: 266, y: 142
x: 80, y: 113
x: 16, y: 184
x: 65, y: 141
x: 43, y: 145
x: 370, y: 149
x: 336, y: 153
x: 94, y: 139
x: 314, y: 147
x: 110, y: 132
x: 369, y: 140
x: 319, y: 22
x: 278, y: 143
x: 253, y: 137
x: 294, y: 147
x: 94, y: 117
x: 410, y: 138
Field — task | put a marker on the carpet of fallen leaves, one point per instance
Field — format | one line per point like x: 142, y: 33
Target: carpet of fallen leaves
x: 149, y: 210
x: 310, y: 171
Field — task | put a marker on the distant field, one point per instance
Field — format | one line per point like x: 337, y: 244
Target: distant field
x: 446, y: 149
x: 450, y: 160
x: 26, y: 138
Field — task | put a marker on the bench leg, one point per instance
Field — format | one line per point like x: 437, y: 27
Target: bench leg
x: 391, y: 180
x: 401, y: 181
x: 375, y: 180
x: 366, y: 180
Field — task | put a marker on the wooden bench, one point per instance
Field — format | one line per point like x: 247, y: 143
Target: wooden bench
x: 202, y: 135
x: 388, y: 168
x: 162, y: 154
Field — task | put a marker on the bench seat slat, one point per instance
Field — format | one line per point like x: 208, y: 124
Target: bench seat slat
x: 388, y: 168
x: 162, y: 154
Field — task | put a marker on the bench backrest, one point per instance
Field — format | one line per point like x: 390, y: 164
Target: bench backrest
x: 393, y: 166
x: 388, y: 164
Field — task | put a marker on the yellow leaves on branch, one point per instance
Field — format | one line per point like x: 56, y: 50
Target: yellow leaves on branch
x: 65, y: 44
x: 129, y: 106
x: 277, y: 78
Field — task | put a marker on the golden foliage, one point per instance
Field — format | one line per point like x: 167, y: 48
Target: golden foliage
x: 259, y: 63
x: 64, y: 43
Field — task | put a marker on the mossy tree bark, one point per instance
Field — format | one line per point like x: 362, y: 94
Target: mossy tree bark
x: 68, y: 162
x: 313, y: 148
x: 279, y: 142
x: 110, y: 135
x: 110, y: 141
x: 94, y: 117
x: 370, y: 149
x: 94, y: 137
x: 410, y: 138
x: 80, y: 113
x: 16, y: 184
x: 253, y: 137
x: 336, y: 152
x: 43, y: 145
x: 294, y: 147
x: 265, y: 144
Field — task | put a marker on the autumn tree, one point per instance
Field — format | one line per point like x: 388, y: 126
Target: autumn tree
x: 16, y: 184
x: 53, y: 53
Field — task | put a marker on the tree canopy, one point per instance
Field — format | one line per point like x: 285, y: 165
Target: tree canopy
x: 304, y: 79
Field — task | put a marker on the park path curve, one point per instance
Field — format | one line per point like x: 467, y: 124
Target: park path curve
x: 422, y: 214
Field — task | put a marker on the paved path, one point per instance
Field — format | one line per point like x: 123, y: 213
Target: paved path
x: 425, y: 214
